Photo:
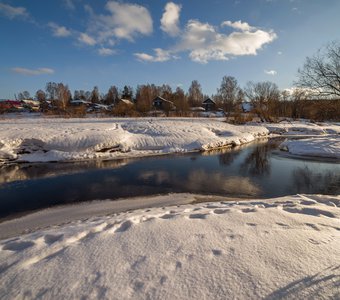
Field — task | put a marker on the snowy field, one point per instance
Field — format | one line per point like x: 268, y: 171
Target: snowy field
x: 284, y: 248
x: 53, y: 139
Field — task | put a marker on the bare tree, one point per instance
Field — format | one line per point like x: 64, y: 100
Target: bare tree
x: 228, y: 93
x: 95, y: 97
x: 51, y: 90
x: 166, y: 91
x: 298, y: 98
x: 180, y: 101
x: 195, y: 95
x: 112, y: 96
x: 24, y: 95
x: 144, y: 96
x: 63, y: 96
x: 264, y: 97
x: 321, y: 72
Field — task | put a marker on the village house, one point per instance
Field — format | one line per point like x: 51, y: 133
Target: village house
x: 209, y: 104
x: 162, y: 104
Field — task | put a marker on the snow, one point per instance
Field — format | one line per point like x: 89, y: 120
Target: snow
x: 40, y: 139
x: 316, y: 147
x: 276, y: 248
x: 53, y: 139
x: 303, y: 127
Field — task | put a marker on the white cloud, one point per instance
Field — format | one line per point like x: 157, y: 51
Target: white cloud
x: 59, y: 31
x: 13, y: 12
x: 170, y: 19
x: 279, y: 53
x: 270, y: 72
x: 86, y: 39
x: 124, y: 21
x: 205, y: 43
x: 244, y: 26
x: 160, y: 56
x: 39, y: 71
x: 105, y: 51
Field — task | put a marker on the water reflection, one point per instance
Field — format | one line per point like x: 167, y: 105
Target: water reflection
x: 199, y: 181
x: 306, y: 180
x: 257, y: 161
x: 19, y: 172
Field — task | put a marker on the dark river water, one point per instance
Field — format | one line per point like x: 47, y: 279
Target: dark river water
x: 256, y: 170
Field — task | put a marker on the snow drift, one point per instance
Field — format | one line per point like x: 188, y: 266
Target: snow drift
x: 51, y: 139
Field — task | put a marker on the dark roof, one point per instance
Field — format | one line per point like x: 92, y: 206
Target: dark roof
x: 160, y: 98
x: 209, y: 100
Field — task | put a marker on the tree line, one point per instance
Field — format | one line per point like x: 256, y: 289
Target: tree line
x: 315, y: 96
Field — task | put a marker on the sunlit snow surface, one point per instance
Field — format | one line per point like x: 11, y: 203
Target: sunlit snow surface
x: 278, y: 248
x: 56, y: 139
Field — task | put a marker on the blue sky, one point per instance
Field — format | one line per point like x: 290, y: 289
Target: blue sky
x: 85, y: 43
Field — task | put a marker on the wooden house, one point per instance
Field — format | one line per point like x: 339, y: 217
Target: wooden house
x: 209, y: 104
x: 162, y: 104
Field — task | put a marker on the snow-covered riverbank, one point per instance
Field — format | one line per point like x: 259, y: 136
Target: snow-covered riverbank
x: 277, y: 248
x: 53, y: 139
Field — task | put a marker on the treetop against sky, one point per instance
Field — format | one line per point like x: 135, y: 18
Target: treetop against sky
x: 86, y: 43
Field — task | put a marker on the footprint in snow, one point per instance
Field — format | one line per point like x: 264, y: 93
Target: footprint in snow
x: 168, y: 216
x: 52, y: 238
x: 249, y: 210
x: 18, y: 246
x: 216, y: 252
x: 198, y: 216
x: 282, y: 225
x: 221, y: 211
x: 312, y: 226
x: 125, y: 226
x: 310, y: 211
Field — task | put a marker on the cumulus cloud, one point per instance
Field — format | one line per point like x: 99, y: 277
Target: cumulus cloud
x: 39, y: 71
x: 86, y: 39
x: 270, y: 72
x: 205, y: 42
x: 244, y: 26
x: 105, y: 51
x: 170, y: 19
x: 160, y: 56
x: 13, y: 12
x: 59, y: 31
x: 124, y: 21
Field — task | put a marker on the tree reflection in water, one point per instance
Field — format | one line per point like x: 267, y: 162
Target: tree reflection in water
x: 306, y: 181
x: 257, y: 162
